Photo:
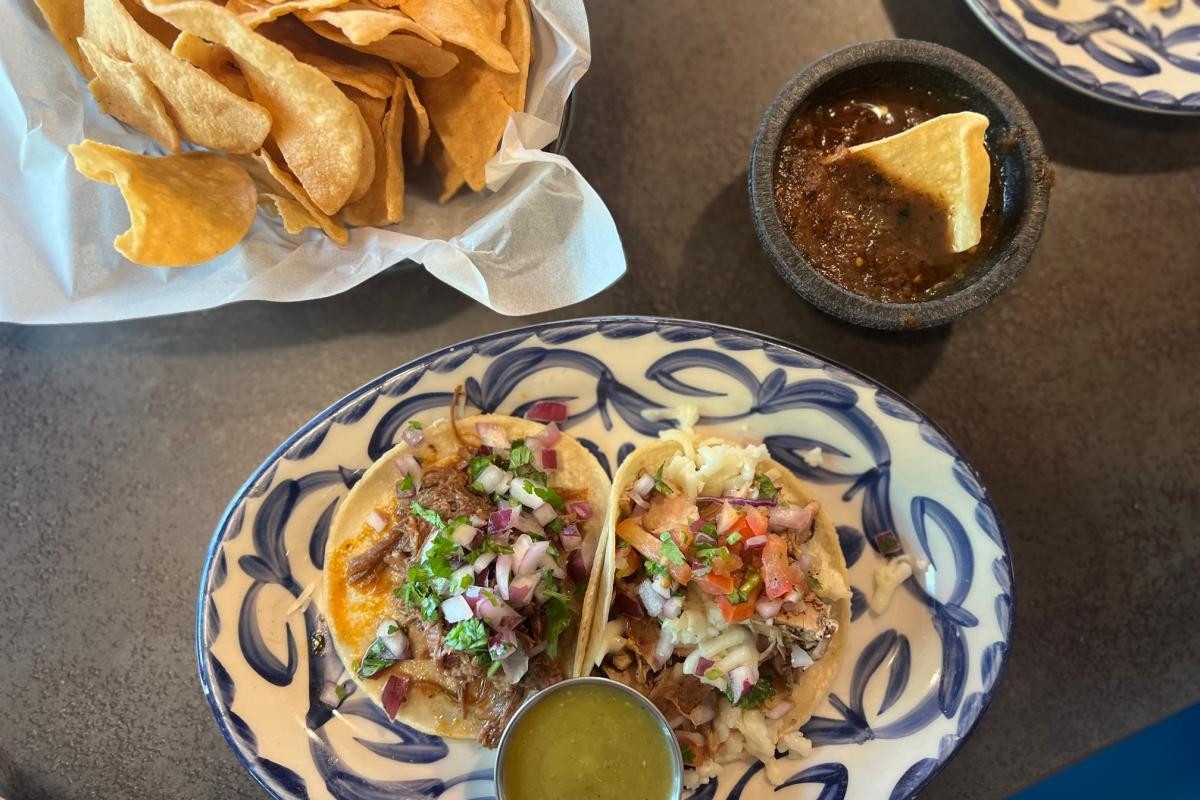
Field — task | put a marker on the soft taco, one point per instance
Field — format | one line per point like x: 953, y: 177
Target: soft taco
x: 725, y: 598
x: 456, y: 571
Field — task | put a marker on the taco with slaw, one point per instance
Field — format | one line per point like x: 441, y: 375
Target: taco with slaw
x: 457, y: 571
x: 725, y: 598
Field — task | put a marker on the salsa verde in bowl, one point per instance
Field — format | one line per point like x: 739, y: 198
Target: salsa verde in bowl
x: 865, y: 248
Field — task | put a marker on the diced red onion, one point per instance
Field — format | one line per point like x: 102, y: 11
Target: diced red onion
x: 662, y: 591
x: 464, y: 536
x: 888, y: 543
x: 527, y: 524
x: 409, y: 466
x: 396, y: 643
x: 700, y: 572
x: 520, y: 590
x: 413, y: 436
x: 755, y: 542
x: 503, y: 572
x: 515, y: 665
x: 643, y: 485
x: 499, y: 615
x: 547, y: 411
x: 492, y: 479
x: 537, y: 648
x: 472, y: 595
x: 727, y: 518
x: 672, y: 608
x: 665, y: 646
x: 520, y: 546
x: 376, y: 520
x: 546, y: 439
x: 501, y: 519
x: 800, y: 658
x: 627, y: 606
x: 492, y: 435
x: 502, y: 645
x: 767, y: 609
x: 580, y: 509
x: 548, y: 459
x: 797, y: 517
x: 779, y: 710
x: 395, y: 692
x: 652, y: 601
x: 703, y: 666
x: 571, y: 538
x: 576, y: 568
x: 737, y: 501
x: 516, y: 490
x: 544, y: 513
x: 482, y: 563
x: 740, y: 681
x: 547, y: 562
x: 638, y: 500
x: 530, y: 556
x: 456, y: 609
x: 704, y: 540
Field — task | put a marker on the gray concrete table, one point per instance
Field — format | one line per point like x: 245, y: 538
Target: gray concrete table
x: 1075, y: 394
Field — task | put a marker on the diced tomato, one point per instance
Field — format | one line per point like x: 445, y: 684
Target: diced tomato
x: 726, y: 565
x: 645, y: 543
x: 735, y: 613
x: 742, y: 527
x: 799, y: 576
x: 716, y: 584
x: 756, y: 521
x: 776, y: 577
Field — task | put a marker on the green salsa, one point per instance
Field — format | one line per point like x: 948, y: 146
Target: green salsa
x: 588, y: 742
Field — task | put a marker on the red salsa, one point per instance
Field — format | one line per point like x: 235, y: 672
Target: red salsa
x: 858, y: 228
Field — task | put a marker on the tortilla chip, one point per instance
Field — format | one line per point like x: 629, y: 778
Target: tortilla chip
x: 468, y: 111
x: 452, y: 177
x: 471, y: 24
x: 183, y: 209
x: 332, y: 229
x: 518, y: 39
x: 318, y: 130
x: 364, y: 23
x: 65, y: 19
x: 213, y: 59
x: 156, y: 26
x: 393, y: 141
x: 258, y: 12
x: 373, y: 208
x: 371, y: 111
x: 412, y: 52
x: 944, y: 158
x: 204, y: 111
x: 123, y: 91
x: 416, y: 121
x: 293, y: 215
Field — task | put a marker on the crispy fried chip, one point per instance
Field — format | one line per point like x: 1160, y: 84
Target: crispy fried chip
x: 468, y: 111
x: 204, y: 111
x: 393, y: 143
x: 183, y: 209
x: 452, y: 177
x: 65, y: 19
x: 317, y: 129
x: 371, y: 208
x: 413, y: 52
x: 342, y: 65
x: 416, y: 121
x: 944, y: 158
x: 332, y: 229
x: 123, y: 91
x: 257, y: 12
x: 213, y: 59
x: 293, y: 215
x: 364, y: 23
x: 518, y: 39
x: 473, y: 24
x: 156, y: 26
x: 371, y: 111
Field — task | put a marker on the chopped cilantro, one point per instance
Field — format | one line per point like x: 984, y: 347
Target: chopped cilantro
x: 766, y: 489
x: 427, y: 514
x: 436, y: 557
x: 415, y: 426
x: 755, y: 696
x: 468, y: 636
x: 558, y: 617
x: 488, y: 546
x: 393, y: 628
x: 555, y: 525
x: 550, y: 587
x: 520, y: 455
x: 545, y: 493
x: 406, y: 485
x: 708, y: 554
x: 418, y: 593
x: 377, y: 658
x: 813, y: 583
x: 688, y: 755
x: 709, y: 529
x: 464, y: 581
x: 493, y: 669
x: 733, y: 538
x: 661, y: 485
x: 654, y: 569
x: 477, y: 465
x: 670, y: 550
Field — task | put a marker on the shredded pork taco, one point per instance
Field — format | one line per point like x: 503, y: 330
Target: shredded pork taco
x: 456, y: 571
x: 725, y: 598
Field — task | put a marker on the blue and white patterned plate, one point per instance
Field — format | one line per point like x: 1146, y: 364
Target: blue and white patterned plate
x: 915, y: 679
x: 1143, y: 54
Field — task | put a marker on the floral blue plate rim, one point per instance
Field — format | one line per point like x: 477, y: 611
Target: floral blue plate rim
x: 832, y: 777
x: 1132, y: 73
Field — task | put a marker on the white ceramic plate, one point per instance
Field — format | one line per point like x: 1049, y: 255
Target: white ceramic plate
x: 914, y: 682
